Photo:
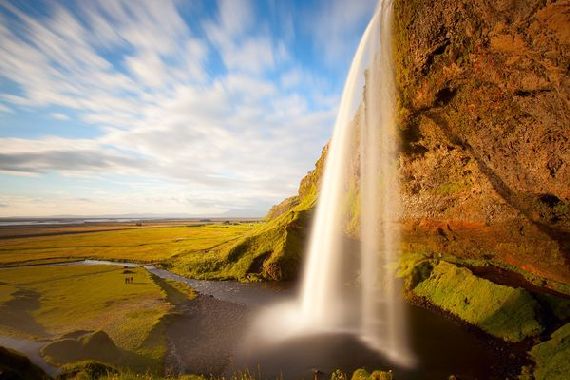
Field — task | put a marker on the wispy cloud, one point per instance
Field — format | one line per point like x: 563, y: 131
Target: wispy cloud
x: 143, y: 78
x: 59, y: 116
x: 335, y: 25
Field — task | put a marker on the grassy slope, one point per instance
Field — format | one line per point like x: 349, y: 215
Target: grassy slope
x: 553, y: 357
x: 502, y: 311
x: 145, y: 244
x: 53, y: 301
x: 270, y: 251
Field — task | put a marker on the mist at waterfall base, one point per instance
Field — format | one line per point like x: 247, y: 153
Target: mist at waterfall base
x: 349, y: 287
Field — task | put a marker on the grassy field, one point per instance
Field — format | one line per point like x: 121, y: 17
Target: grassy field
x: 143, y: 244
x: 50, y: 302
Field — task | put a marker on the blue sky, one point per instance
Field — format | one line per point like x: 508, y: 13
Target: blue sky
x: 167, y: 107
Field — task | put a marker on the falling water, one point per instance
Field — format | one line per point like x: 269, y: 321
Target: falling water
x: 365, y: 128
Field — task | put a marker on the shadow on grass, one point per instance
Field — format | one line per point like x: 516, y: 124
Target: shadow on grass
x: 17, y: 313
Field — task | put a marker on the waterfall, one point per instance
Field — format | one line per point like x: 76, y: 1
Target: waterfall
x: 354, y: 288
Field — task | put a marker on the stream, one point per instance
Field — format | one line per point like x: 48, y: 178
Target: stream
x: 211, y: 335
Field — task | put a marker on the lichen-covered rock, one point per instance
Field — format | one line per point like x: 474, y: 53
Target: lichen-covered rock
x: 505, y: 312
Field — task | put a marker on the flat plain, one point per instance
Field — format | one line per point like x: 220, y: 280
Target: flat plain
x: 148, y: 244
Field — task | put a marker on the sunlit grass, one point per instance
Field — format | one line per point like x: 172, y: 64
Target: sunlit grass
x: 62, y: 299
x: 506, y: 312
x: 552, y: 357
x: 145, y: 244
x: 277, y: 244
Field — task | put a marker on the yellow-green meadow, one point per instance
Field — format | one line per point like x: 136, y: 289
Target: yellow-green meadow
x: 144, y: 244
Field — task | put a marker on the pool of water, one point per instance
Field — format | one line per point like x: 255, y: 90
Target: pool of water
x: 442, y: 346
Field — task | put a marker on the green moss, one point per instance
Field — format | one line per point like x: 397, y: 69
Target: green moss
x: 177, y: 292
x: 86, y: 370
x: 552, y: 358
x: 362, y: 374
x: 502, y: 311
x: 449, y: 188
x: 414, y: 267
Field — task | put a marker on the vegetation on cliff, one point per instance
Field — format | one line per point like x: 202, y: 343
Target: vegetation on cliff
x: 551, y: 357
x: 502, y: 311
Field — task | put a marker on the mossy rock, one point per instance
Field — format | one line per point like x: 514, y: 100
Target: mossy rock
x: 505, y: 312
x: 362, y: 374
x: 552, y: 358
x: 93, y: 346
x: 14, y: 366
x: 86, y: 370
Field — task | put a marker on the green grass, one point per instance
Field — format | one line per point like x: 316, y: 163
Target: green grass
x: 271, y: 250
x: 53, y: 301
x: 145, y: 244
x: 552, y: 358
x: 502, y: 311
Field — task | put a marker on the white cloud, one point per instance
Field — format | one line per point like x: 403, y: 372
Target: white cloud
x: 148, y: 68
x: 252, y: 53
x: 59, y: 116
x: 215, y: 140
x: 335, y: 23
x: 5, y: 109
x: 236, y: 16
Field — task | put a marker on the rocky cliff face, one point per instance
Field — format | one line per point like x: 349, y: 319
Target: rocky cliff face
x: 484, y: 115
x: 484, y: 95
